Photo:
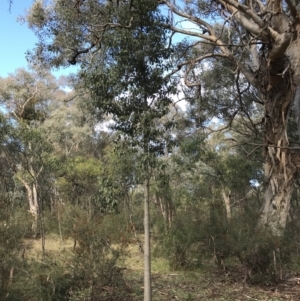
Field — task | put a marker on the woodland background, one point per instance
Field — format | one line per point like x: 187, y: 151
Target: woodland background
x: 195, y: 134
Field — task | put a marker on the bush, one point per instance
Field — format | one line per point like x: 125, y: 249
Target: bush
x: 11, y: 246
x: 262, y: 254
x: 180, y: 243
x: 89, y: 273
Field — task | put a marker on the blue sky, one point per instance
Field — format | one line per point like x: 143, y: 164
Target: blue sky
x: 15, y: 38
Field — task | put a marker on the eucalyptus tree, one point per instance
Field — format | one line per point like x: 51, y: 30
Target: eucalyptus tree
x: 259, y: 40
x: 129, y: 83
x: 25, y: 97
x: 69, y: 126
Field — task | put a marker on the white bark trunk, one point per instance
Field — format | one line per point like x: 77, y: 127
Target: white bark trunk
x: 147, y: 254
x: 167, y: 209
x: 226, y: 198
x: 31, y: 190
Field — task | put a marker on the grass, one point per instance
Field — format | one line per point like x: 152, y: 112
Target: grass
x: 206, y: 283
x: 134, y: 261
x: 53, y: 246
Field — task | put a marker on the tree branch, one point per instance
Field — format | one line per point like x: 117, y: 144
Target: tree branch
x: 192, y: 62
x: 190, y: 17
x: 77, y: 52
x: 243, y: 19
x: 247, y: 11
x: 248, y: 74
x: 255, y: 56
x: 280, y: 45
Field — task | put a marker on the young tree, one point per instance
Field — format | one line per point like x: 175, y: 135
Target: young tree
x: 130, y: 85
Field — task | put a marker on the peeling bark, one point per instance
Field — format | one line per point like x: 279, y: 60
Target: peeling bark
x: 280, y: 164
x: 277, y: 196
x: 280, y: 170
x: 297, y: 108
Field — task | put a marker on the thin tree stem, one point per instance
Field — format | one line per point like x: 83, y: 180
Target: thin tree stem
x: 147, y: 256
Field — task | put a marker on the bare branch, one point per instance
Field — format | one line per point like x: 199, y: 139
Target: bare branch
x: 72, y: 60
x: 248, y: 74
x: 191, y: 33
x: 192, y: 62
x: 190, y: 17
x: 29, y: 99
x: 247, y: 11
x: 281, y: 43
x: 268, y: 145
x: 211, y: 36
x: 255, y: 57
x: 246, y: 22
x: 10, y: 2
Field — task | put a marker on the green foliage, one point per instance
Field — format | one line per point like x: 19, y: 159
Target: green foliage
x: 179, y: 244
x: 11, y: 234
x: 94, y: 267
x: 78, y: 178
x: 89, y: 272
x: 129, y: 83
x: 40, y: 281
x: 262, y: 254
x: 117, y: 177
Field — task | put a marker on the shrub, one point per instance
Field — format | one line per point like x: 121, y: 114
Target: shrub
x: 89, y: 273
x: 179, y: 244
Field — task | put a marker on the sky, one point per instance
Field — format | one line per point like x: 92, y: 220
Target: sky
x: 16, y: 38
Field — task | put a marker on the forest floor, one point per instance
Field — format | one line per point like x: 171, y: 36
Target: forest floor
x: 206, y: 283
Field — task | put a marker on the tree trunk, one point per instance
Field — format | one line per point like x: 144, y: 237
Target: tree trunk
x: 227, y: 199
x: 147, y: 257
x: 34, y: 209
x: 166, y: 207
x: 33, y: 204
x: 277, y: 198
x: 280, y: 170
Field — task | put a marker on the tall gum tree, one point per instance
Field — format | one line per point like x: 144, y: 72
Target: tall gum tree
x: 25, y: 96
x: 259, y: 38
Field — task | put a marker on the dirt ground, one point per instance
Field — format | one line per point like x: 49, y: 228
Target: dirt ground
x: 206, y: 283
